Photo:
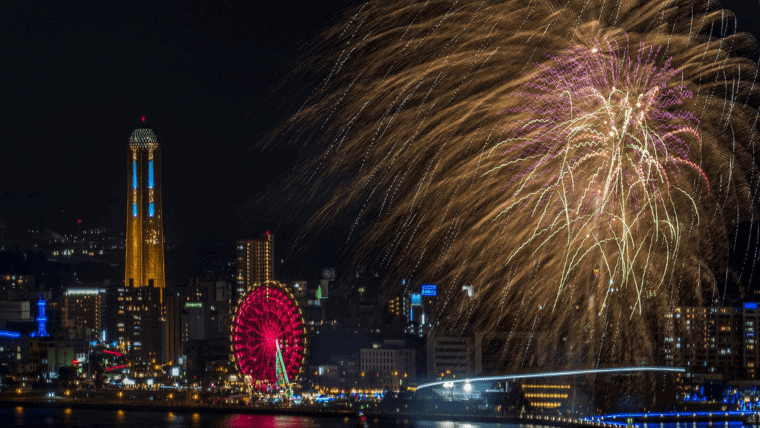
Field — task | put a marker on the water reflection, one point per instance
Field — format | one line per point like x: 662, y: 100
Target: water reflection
x: 273, y: 421
x: 81, y: 418
x: 196, y: 420
x: 120, y: 419
x: 19, y: 415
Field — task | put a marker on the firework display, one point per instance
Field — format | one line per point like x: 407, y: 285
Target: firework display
x: 268, y: 335
x: 580, y: 164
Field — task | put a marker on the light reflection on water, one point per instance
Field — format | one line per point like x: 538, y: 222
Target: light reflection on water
x: 732, y: 424
x: 54, y: 418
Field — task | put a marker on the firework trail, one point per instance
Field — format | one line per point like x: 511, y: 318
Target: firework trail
x: 579, y: 163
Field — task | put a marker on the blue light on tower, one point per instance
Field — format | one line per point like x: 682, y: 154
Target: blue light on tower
x: 134, y: 174
x: 150, y: 174
x: 41, y: 319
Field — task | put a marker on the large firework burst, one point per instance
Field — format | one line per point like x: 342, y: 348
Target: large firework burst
x: 579, y: 163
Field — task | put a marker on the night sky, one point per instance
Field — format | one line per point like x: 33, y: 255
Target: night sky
x: 78, y: 75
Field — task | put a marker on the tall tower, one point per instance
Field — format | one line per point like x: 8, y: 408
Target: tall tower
x: 145, y: 230
x: 255, y: 262
x: 141, y: 300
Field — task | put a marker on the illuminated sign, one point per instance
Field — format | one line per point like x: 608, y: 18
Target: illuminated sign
x: 750, y: 305
x: 193, y: 305
x: 175, y: 371
x: 416, y: 299
x: 85, y: 291
x: 10, y: 334
x: 429, y: 290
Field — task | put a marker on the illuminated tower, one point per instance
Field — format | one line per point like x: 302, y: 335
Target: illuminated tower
x: 255, y: 262
x: 140, y: 309
x: 41, y: 319
x: 145, y: 231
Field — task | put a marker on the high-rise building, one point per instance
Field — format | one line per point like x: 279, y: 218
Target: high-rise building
x: 85, y: 311
x: 255, y: 262
x: 707, y: 341
x: 145, y: 231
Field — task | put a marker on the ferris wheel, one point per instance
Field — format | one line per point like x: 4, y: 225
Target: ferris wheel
x: 269, y: 338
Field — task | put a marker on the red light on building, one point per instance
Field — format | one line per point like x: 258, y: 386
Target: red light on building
x: 75, y: 362
x: 79, y: 221
x: 142, y: 118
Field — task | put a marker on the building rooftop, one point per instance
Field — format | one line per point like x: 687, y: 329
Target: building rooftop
x: 143, y: 137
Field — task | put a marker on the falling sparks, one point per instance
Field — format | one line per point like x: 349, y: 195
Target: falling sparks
x: 605, y: 130
x: 584, y: 157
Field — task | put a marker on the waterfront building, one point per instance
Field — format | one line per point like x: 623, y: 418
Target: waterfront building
x: 388, y: 366
x: 751, y: 357
x: 140, y: 328
x: 707, y: 341
x: 254, y: 262
x: 449, y: 356
x: 85, y: 312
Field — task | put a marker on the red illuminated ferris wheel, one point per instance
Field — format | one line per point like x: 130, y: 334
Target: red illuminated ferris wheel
x: 269, y: 338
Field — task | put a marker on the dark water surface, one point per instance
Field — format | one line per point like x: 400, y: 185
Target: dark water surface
x: 38, y: 417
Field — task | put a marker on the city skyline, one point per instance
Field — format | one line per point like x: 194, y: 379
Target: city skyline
x: 518, y: 209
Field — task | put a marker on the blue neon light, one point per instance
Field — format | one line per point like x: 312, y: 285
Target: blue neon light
x: 416, y: 299
x: 134, y: 210
x: 134, y: 174
x: 150, y: 174
x: 10, y: 334
x: 429, y: 290
x: 750, y: 305
x: 151, y: 209
x: 665, y: 415
x: 41, y: 319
